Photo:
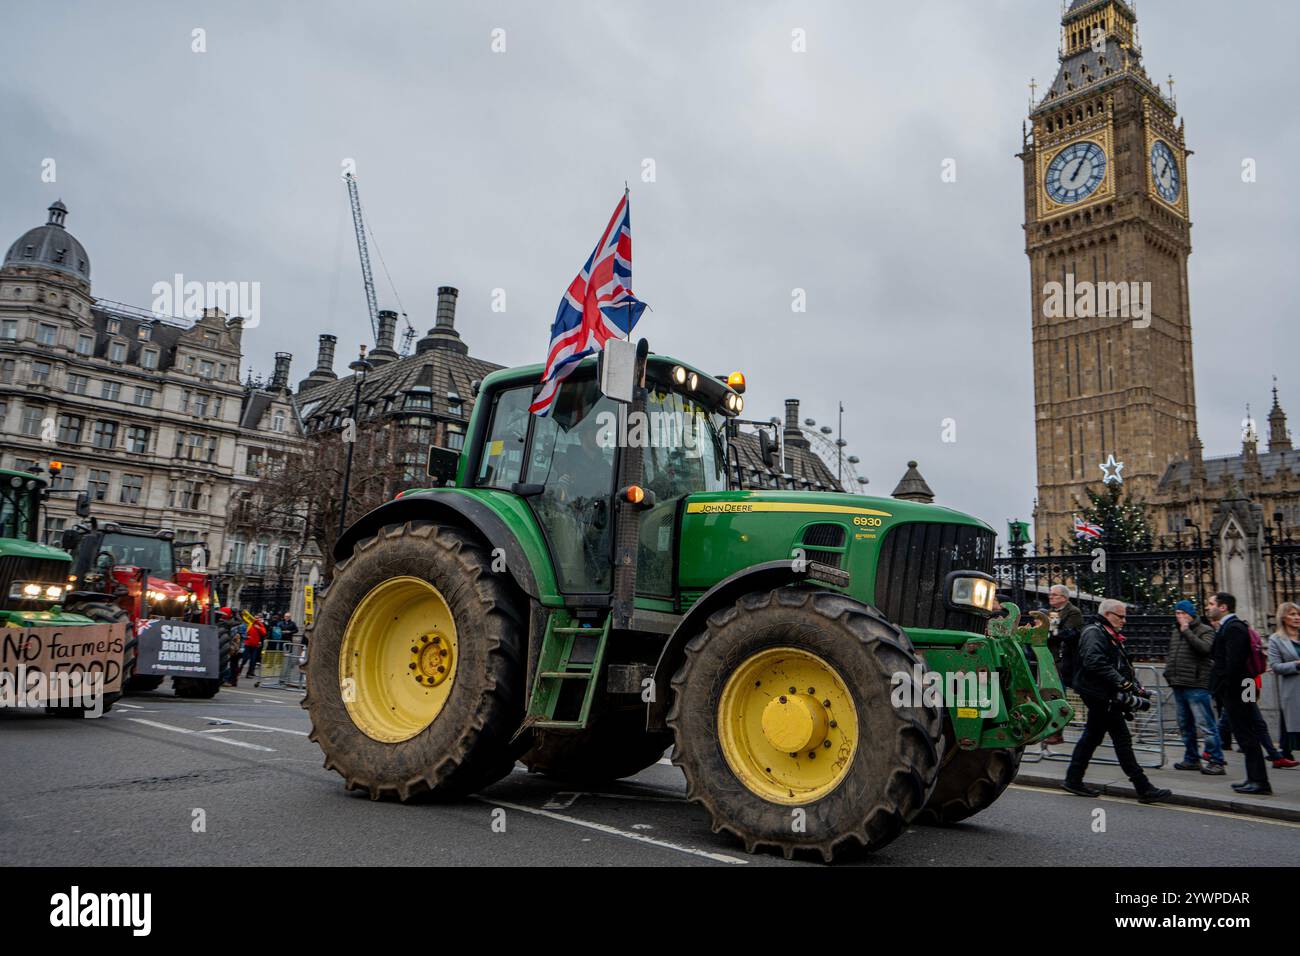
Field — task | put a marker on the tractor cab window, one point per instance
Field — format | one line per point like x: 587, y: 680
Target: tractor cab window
x: 684, y: 455
x: 139, y: 552
x: 17, y: 513
x: 503, y: 453
x: 572, y: 457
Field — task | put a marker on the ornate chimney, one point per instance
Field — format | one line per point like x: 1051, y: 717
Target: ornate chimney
x: 912, y: 487
x: 443, y: 335
x: 280, y: 379
x: 383, y: 351
x: 793, y: 437
x: 324, y: 371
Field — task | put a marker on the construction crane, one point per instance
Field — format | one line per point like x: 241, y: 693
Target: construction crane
x: 367, y: 277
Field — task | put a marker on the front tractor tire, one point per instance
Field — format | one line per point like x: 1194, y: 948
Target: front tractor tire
x: 785, y: 728
x: 415, y: 677
x: 970, y: 781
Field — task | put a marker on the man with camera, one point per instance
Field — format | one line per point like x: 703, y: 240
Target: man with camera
x: 1104, y: 678
x: 1232, y: 682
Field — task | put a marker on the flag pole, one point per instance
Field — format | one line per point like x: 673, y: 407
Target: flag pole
x: 627, y: 211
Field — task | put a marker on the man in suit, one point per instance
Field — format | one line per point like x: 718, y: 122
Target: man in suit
x: 1231, y: 682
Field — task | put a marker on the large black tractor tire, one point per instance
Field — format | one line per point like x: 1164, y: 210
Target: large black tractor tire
x: 468, y: 745
x: 969, y: 781
x: 615, y: 744
x: 104, y: 613
x: 893, y: 764
x: 201, y: 688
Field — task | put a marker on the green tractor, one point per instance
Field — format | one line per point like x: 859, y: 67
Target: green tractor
x: 584, y: 590
x: 35, y: 579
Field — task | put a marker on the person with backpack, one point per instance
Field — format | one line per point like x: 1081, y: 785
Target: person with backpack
x: 1187, y: 672
x: 1104, y: 677
x: 1232, y: 681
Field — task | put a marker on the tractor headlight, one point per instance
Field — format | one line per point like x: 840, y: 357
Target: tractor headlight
x: 971, y: 591
x: 36, y: 591
x: 679, y: 376
x: 156, y: 596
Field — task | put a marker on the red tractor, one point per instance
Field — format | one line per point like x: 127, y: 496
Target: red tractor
x: 126, y: 571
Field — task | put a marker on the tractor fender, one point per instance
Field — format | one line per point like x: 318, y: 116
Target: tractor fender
x: 445, y: 508
x: 759, y: 577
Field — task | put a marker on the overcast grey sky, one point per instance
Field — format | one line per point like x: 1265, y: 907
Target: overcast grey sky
x: 774, y: 171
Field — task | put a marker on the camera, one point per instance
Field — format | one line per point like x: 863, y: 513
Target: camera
x: 1132, y: 700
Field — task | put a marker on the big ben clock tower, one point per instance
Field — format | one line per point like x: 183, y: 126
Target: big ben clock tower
x: 1108, y: 235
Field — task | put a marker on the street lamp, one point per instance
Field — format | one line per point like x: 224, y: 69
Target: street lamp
x: 360, y: 367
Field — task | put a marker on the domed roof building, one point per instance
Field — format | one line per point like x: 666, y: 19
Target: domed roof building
x: 51, y: 246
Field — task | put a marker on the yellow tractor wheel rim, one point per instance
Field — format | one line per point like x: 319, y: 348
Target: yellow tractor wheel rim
x: 787, y: 725
x: 397, y: 665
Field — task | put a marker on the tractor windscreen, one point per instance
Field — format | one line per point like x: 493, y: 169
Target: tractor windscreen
x: 17, y: 512
x: 140, y: 552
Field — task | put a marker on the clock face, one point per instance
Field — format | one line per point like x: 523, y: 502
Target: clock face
x: 1075, y: 172
x: 1164, y: 172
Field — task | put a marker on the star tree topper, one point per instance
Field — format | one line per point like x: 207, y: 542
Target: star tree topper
x: 1107, y: 475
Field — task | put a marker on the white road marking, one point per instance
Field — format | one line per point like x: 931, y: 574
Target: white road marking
x: 283, y: 730
x: 129, y: 706
x: 261, y: 698
x: 558, y: 801
x: 665, y: 761
x: 195, y: 733
x: 613, y: 831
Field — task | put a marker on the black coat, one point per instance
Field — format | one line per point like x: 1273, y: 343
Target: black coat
x: 1230, y: 669
x: 1188, y: 661
x: 1069, y: 624
x: 1101, y: 666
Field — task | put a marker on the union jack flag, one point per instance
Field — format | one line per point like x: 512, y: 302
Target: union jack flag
x: 597, y: 307
x: 1086, y: 529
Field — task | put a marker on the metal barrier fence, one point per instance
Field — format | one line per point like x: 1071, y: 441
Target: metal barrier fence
x: 282, y: 665
x: 1148, y: 727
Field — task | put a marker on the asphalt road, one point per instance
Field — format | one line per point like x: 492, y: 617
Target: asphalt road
x: 134, y: 786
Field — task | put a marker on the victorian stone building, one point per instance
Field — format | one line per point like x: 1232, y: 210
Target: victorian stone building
x: 1108, y: 235
x: 147, y: 414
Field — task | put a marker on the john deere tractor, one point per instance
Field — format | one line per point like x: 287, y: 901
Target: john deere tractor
x: 34, y: 577
x: 581, y: 591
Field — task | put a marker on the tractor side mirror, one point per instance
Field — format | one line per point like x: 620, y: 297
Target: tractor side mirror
x: 767, y: 450
x: 617, y: 363
x: 70, y: 540
x: 442, y: 464
x: 83, y: 505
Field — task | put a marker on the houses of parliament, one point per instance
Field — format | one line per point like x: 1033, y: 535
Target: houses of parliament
x: 1107, y: 225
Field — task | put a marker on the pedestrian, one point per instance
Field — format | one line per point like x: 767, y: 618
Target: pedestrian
x: 288, y: 629
x: 1065, y: 622
x: 1187, y: 671
x: 225, y: 617
x: 1284, y: 663
x: 253, y: 645
x: 1104, y: 678
x: 1232, y: 682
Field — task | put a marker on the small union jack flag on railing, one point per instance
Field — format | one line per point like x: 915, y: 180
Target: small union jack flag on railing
x: 597, y: 307
x: 1086, y: 529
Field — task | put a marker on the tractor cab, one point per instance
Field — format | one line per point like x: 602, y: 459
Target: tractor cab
x: 568, y: 465
x: 136, y: 565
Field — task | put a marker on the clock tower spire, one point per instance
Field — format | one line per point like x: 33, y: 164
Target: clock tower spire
x: 1107, y: 234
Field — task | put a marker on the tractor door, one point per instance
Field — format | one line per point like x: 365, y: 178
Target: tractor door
x: 571, y: 456
x: 684, y: 455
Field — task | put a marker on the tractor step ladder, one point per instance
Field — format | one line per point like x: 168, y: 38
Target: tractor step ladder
x: 570, y: 654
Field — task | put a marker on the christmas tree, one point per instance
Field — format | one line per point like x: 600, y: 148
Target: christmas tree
x: 1124, y: 529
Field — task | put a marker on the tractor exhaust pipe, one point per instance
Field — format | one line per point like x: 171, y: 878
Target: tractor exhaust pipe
x: 627, y: 513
